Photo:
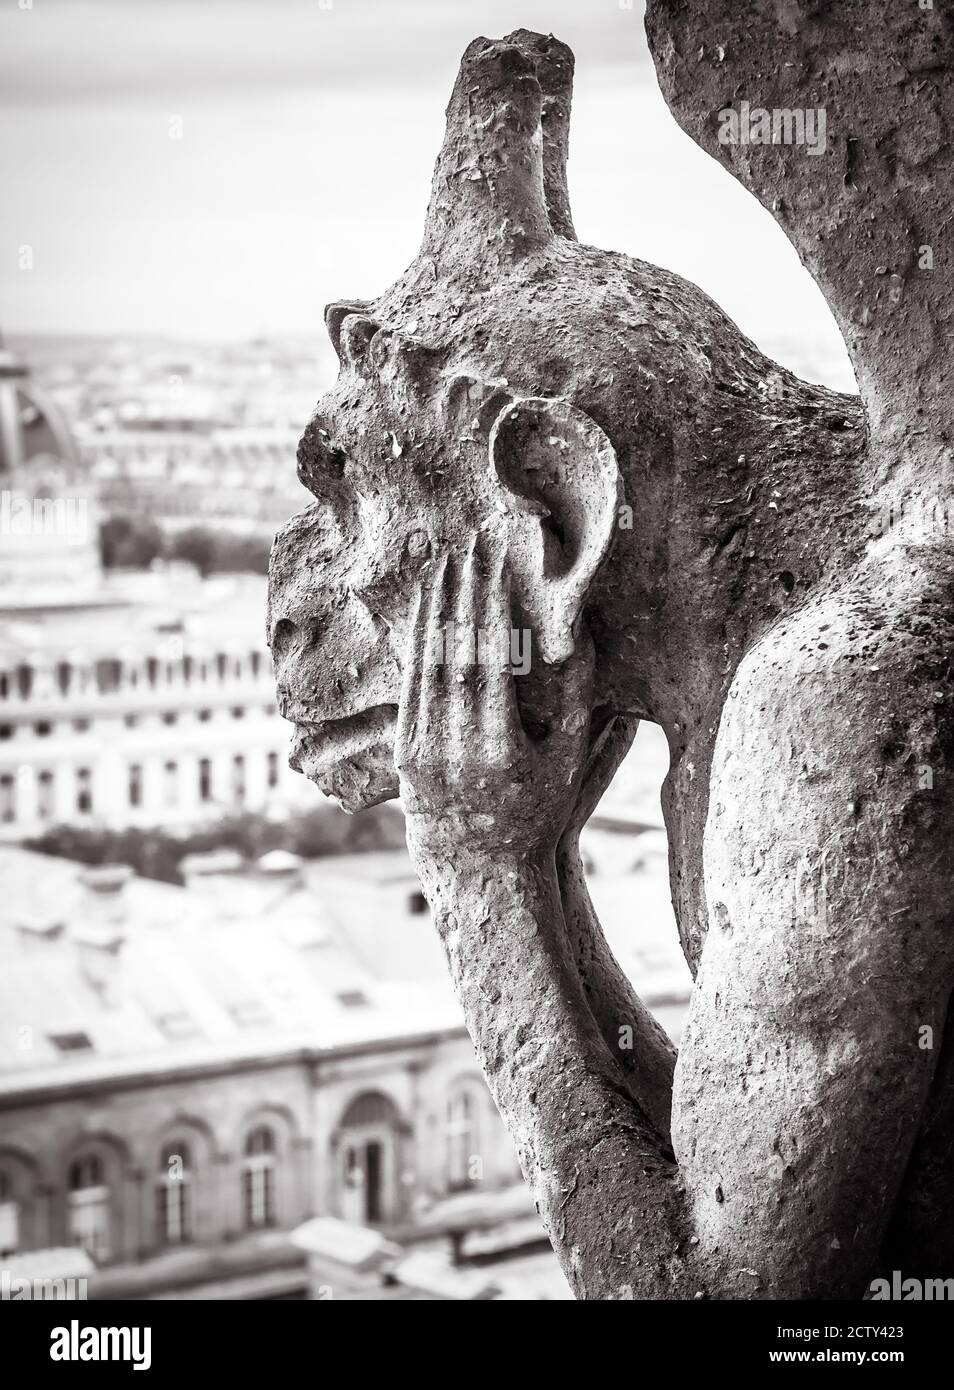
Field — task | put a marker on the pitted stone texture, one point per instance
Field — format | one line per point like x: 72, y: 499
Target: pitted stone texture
x: 708, y: 526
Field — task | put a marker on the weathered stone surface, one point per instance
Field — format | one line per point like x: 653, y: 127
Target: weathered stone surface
x: 530, y: 433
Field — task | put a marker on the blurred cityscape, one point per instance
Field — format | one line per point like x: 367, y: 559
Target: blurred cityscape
x: 231, y: 1064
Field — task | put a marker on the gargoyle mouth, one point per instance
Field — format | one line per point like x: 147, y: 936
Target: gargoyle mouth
x: 343, y: 737
x: 350, y: 759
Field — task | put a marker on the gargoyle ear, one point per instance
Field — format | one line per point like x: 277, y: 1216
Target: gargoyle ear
x: 335, y: 315
x: 557, y: 468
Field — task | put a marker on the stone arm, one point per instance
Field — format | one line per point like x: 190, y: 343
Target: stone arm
x: 643, y: 1051
x: 542, y: 996
x: 801, y: 1084
x: 601, y: 1175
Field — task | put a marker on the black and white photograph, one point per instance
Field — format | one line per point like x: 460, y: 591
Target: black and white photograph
x: 476, y: 686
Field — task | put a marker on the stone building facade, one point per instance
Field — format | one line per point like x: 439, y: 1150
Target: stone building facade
x: 131, y: 1167
x: 144, y: 704
x: 185, y: 1071
x: 238, y: 479
x: 135, y: 699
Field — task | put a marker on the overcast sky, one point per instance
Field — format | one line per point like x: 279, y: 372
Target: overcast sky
x: 308, y: 134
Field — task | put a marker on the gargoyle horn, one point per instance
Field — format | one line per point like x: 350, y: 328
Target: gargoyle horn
x: 499, y: 187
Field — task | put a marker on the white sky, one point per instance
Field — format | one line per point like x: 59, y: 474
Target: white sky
x: 309, y: 133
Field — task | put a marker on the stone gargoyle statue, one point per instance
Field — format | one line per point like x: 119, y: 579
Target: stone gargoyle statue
x: 531, y: 436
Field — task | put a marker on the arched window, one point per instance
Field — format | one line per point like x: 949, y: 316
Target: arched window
x: 370, y: 1160
x: 9, y: 1216
x: 258, y: 1179
x: 8, y: 797
x: 89, y: 1207
x: 205, y: 779
x: 174, y: 1194
x: 372, y: 1108
x: 463, y: 1158
x: 108, y: 675
x: 44, y: 794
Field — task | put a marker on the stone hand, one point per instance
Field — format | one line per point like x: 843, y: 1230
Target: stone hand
x: 471, y: 774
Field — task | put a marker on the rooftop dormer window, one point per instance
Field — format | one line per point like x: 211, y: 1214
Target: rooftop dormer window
x: 71, y: 1042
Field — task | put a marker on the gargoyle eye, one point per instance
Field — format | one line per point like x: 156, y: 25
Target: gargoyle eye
x: 283, y: 634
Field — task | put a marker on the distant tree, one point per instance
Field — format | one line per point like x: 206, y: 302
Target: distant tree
x: 250, y: 833
x: 379, y: 828
x: 220, y: 552
x: 326, y: 830
x: 240, y: 554
x: 196, y: 546
x: 156, y: 853
x: 129, y: 542
x: 151, y: 854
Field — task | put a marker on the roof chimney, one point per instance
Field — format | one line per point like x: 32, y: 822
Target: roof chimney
x: 281, y: 866
x: 39, y: 929
x: 101, y: 927
x: 208, y: 873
